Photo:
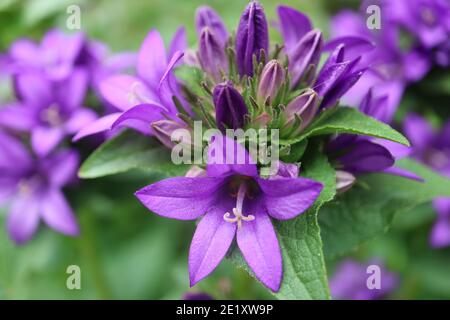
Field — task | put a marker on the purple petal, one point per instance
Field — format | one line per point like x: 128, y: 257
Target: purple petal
x: 62, y: 167
x: 418, y: 131
x: 34, y: 89
x: 23, y: 219
x: 227, y: 157
x: 45, y: 139
x: 211, y: 54
x: 442, y: 206
x: 17, y: 117
x: 258, y: 243
x: 13, y: 154
x: 57, y: 213
x: 286, y: 198
x: 140, y: 118
x: 99, y: 125
x: 397, y: 150
x: 80, y: 119
x: 124, y: 91
x: 72, y: 91
x: 366, y: 156
x: 168, y: 86
x: 211, y: 241
x: 305, y: 54
x: 355, y: 46
x: 152, y: 59
x: 178, y: 43
x: 440, y: 234
x: 294, y: 25
x: 181, y: 198
x: 403, y: 173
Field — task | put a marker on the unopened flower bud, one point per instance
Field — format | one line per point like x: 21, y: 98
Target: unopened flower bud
x: 272, y: 78
x: 230, y: 107
x: 252, y: 36
x: 211, y: 54
x: 304, y: 107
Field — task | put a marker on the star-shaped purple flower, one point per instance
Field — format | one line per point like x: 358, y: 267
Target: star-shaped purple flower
x: 233, y: 201
x: 32, y: 189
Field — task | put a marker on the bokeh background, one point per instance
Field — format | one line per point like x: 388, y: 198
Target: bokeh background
x: 125, y: 252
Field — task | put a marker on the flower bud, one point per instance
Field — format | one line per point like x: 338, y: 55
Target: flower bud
x: 305, y: 107
x: 211, y: 54
x: 230, y: 107
x: 206, y: 17
x: 252, y: 36
x: 272, y: 77
x: 303, y: 59
x: 164, y: 132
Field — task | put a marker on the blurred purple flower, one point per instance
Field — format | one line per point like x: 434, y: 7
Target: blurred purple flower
x: 49, y: 110
x: 349, y: 281
x: 32, y: 189
x: 55, y: 56
x: 232, y: 201
x: 432, y: 148
x: 147, y: 97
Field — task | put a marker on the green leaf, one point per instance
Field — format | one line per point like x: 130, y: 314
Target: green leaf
x: 367, y: 209
x: 304, y: 273
x: 348, y: 120
x: 127, y: 151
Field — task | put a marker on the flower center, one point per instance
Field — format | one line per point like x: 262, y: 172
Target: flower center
x: 52, y: 116
x: 237, y: 211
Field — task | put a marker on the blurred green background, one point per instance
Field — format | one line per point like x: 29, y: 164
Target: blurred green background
x: 125, y: 252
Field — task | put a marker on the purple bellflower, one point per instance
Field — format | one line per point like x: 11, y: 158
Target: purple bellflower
x: 233, y: 201
x: 252, y: 36
x: 433, y: 149
x: 48, y: 110
x: 31, y: 187
x: 55, y: 56
x: 349, y: 281
x: 206, y: 17
x: 147, y: 97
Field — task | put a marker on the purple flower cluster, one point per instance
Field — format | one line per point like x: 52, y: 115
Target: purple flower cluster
x: 412, y: 38
x: 50, y: 82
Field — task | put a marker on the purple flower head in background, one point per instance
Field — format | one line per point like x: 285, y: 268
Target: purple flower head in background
x: 148, y: 97
x: 433, y: 148
x: 55, y: 56
x: 252, y: 36
x: 360, y: 154
x: 48, y: 110
x: 32, y: 189
x: 233, y: 201
x: 349, y: 281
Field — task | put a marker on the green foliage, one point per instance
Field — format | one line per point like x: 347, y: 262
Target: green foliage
x: 348, y: 120
x: 367, y: 209
x: 130, y: 150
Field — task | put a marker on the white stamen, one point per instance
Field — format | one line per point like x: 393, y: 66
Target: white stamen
x: 237, y: 211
